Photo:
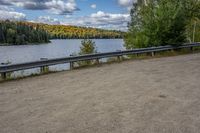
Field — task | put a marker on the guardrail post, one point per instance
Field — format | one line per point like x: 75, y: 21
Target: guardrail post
x: 71, y: 65
x: 119, y: 58
x: 152, y: 54
x: 192, y: 48
x: 97, y: 61
x: 44, y: 69
x: 3, y: 76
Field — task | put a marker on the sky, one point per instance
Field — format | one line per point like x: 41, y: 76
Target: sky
x: 106, y: 14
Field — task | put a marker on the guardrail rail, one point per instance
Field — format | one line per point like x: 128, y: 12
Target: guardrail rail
x: 4, y: 69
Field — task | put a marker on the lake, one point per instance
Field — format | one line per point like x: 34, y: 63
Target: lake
x: 56, y: 49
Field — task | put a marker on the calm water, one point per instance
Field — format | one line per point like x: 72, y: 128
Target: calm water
x: 55, y: 49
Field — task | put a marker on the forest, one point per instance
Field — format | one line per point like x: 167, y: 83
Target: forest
x: 163, y: 22
x: 18, y: 33
x: 76, y: 32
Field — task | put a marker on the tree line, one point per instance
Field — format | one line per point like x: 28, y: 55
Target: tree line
x: 77, y: 32
x: 18, y: 33
x: 163, y: 22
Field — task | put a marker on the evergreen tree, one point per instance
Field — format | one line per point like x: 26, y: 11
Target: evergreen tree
x: 18, y: 33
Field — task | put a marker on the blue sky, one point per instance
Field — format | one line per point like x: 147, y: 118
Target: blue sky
x: 107, y: 14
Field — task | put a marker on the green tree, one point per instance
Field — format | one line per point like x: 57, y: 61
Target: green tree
x: 11, y: 34
x: 2, y: 36
x: 87, y: 47
x: 160, y: 22
x: 18, y: 33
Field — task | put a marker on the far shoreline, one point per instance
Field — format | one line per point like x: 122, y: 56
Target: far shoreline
x: 45, y: 43
x: 25, y: 44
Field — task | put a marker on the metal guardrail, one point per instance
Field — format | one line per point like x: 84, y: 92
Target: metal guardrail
x: 44, y: 63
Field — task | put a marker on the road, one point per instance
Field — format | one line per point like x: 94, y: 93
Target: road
x: 145, y: 96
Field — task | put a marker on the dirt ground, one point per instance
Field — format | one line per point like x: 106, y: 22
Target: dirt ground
x: 148, y: 96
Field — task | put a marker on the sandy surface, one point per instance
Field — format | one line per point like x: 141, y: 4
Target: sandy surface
x: 149, y: 96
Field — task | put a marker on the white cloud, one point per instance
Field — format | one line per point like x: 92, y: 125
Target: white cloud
x: 126, y: 3
x: 94, y: 6
x: 61, y: 7
x: 9, y: 13
x: 53, y: 6
x: 47, y: 20
x: 6, y: 8
x: 102, y: 20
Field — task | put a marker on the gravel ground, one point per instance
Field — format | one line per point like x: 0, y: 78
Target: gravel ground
x: 148, y: 96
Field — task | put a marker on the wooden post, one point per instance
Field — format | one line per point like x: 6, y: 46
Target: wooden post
x: 71, y: 65
x: 192, y: 49
x: 118, y: 58
x: 44, y: 69
x: 3, y: 76
x: 97, y: 61
x: 152, y: 54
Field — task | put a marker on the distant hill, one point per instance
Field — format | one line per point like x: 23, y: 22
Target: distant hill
x: 76, y: 32
x: 18, y: 33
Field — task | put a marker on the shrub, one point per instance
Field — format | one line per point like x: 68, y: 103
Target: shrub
x: 87, y: 47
